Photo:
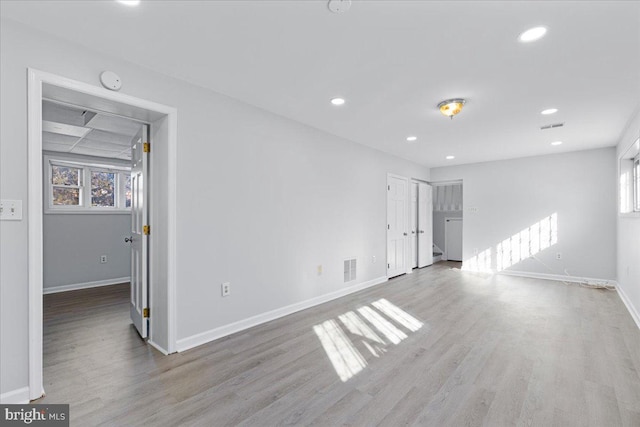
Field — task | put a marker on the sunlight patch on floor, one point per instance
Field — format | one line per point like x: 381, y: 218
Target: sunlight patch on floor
x: 367, y: 326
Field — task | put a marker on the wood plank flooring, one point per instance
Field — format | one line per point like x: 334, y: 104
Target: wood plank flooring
x: 470, y: 350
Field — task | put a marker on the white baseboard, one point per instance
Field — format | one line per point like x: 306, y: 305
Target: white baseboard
x: 627, y: 302
x: 86, y: 285
x: 157, y: 347
x: 15, y: 397
x: 557, y: 277
x: 216, y: 333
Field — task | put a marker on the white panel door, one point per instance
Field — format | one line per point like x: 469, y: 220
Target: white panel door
x: 425, y: 225
x: 453, y: 239
x: 413, y: 237
x: 139, y: 232
x: 397, y: 219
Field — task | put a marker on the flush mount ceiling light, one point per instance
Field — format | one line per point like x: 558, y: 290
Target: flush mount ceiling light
x: 411, y: 138
x: 450, y: 157
x: 451, y: 107
x: 556, y: 143
x: 532, y: 34
x: 129, y: 2
x: 338, y: 101
x: 549, y: 111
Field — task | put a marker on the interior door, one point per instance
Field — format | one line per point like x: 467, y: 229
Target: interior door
x: 425, y: 225
x: 139, y: 239
x: 414, y: 225
x: 397, y: 219
x: 453, y: 239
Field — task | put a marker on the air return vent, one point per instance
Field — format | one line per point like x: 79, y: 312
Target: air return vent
x: 552, y: 126
x: 349, y: 270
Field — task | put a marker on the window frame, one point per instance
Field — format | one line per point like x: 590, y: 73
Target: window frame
x: 85, y: 175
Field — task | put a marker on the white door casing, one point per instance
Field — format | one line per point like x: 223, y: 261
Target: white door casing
x: 413, y: 237
x: 397, y: 218
x: 139, y: 232
x: 453, y: 239
x: 425, y: 225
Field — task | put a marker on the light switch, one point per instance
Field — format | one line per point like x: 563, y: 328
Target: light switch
x: 11, y: 210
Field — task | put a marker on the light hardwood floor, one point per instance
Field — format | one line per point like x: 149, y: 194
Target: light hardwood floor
x: 492, y: 350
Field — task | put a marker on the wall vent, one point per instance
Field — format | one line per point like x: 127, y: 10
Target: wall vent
x: 552, y: 126
x: 349, y: 270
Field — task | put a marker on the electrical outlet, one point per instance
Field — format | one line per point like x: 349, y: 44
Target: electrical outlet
x: 226, y: 289
x: 11, y: 210
x: 320, y: 270
x: 559, y: 255
x: 373, y: 259
x: 103, y: 259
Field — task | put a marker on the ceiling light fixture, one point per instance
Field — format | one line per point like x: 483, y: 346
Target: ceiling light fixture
x: 338, y: 101
x: 532, y: 34
x: 450, y: 157
x: 129, y: 2
x: 412, y: 138
x: 549, y: 111
x: 556, y: 143
x: 451, y: 107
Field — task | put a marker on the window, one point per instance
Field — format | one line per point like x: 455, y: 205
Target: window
x: 636, y: 184
x: 629, y: 180
x: 88, y: 188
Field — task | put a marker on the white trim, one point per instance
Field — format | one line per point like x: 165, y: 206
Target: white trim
x: 65, y: 87
x: 85, y: 285
x: 557, y: 277
x: 627, y: 302
x: 222, y: 331
x: 157, y: 347
x: 15, y: 397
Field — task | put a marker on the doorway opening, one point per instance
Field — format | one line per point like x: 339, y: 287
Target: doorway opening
x: 447, y: 220
x: 98, y: 183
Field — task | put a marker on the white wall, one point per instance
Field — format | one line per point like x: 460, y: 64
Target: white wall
x: 628, y: 265
x: 511, y: 195
x: 262, y: 200
x: 73, y: 243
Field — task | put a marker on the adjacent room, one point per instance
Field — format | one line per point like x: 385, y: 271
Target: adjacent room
x: 326, y: 212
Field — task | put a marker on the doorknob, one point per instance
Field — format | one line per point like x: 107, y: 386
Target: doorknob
x: 404, y: 234
x: 128, y: 239
x: 413, y: 232
x: 421, y: 231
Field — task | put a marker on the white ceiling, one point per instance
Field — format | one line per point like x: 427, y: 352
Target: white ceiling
x: 393, y: 61
x: 70, y: 129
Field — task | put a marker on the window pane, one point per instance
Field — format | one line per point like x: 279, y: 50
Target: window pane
x: 102, y: 189
x: 127, y: 190
x: 64, y: 175
x: 66, y: 196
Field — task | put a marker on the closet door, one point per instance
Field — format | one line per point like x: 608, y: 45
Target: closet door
x: 425, y: 225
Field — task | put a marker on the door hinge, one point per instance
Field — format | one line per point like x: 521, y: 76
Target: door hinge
x: 388, y: 265
x: 146, y: 230
x: 146, y: 147
x: 388, y: 187
x: 145, y: 312
x: 388, y: 227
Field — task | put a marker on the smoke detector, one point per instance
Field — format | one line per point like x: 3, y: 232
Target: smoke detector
x: 339, y: 6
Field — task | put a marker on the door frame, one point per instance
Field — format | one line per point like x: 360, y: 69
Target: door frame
x: 445, y: 255
x: 163, y: 212
x: 407, y: 220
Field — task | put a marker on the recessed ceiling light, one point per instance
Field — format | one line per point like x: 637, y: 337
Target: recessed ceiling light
x: 338, y: 101
x: 412, y: 138
x: 450, y: 157
x: 549, y: 111
x: 532, y: 34
x: 556, y: 143
x: 129, y: 2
